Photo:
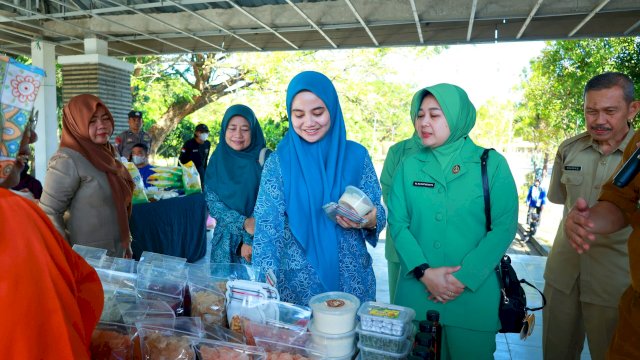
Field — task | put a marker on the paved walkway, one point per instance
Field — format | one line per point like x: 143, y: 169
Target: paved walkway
x: 508, y: 346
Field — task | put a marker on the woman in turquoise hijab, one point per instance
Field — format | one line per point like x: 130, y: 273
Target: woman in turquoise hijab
x: 231, y: 185
x: 437, y: 219
x: 304, y: 251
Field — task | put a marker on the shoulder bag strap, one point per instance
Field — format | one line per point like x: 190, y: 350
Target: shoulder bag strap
x: 544, y: 300
x: 485, y: 188
x: 487, y: 211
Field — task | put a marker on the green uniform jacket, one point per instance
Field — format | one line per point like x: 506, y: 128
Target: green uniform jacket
x: 394, y: 157
x: 437, y: 217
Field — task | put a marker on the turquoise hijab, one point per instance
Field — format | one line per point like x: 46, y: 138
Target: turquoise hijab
x: 235, y: 175
x: 315, y: 174
x: 459, y: 112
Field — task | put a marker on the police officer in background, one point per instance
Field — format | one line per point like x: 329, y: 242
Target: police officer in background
x: 135, y: 135
x: 197, y: 150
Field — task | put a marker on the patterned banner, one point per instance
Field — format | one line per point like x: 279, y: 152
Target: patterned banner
x: 19, y: 85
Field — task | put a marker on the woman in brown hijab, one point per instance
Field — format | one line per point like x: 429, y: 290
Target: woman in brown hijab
x: 87, y: 191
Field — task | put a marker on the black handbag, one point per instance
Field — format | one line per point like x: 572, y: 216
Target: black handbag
x: 513, y: 300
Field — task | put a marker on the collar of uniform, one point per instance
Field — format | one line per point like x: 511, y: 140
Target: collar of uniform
x: 627, y: 138
x: 590, y: 143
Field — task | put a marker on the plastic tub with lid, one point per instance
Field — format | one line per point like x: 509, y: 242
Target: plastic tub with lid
x: 334, y: 312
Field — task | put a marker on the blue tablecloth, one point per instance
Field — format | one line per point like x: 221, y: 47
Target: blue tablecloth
x: 174, y: 227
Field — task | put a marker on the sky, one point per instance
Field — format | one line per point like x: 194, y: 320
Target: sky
x: 484, y: 70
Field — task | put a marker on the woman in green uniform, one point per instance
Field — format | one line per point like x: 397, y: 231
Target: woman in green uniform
x: 437, y: 220
x: 394, y: 157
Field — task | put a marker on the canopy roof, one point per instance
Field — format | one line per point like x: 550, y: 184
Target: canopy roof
x: 153, y: 27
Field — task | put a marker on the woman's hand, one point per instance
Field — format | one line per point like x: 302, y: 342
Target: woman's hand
x: 369, y: 225
x: 246, y: 252
x: 441, y: 283
x: 249, y: 225
x: 128, y: 252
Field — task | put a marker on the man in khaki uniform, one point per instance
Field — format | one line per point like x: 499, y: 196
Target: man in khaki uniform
x: 583, y: 291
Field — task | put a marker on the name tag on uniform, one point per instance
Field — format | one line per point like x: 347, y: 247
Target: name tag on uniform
x: 424, y: 184
x: 573, y: 168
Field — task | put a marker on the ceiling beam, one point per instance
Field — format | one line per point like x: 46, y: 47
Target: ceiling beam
x: 169, y: 26
x: 312, y: 23
x: 239, y: 8
x: 111, y: 37
x: 417, y: 20
x: 588, y: 17
x: 629, y: 30
x: 50, y: 31
x: 366, y: 28
x: 531, y: 15
x: 67, y: 23
x: 213, y: 23
x: 471, y: 17
x: 9, y: 50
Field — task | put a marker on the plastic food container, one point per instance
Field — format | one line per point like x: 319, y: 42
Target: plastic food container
x: 216, y: 350
x: 277, y: 350
x: 93, y: 256
x: 375, y: 354
x: 385, y: 318
x: 384, y: 342
x: 334, y: 312
x: 337, y: 346
x: 357, y: 200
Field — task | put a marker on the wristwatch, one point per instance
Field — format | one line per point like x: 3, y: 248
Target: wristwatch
x: 419, y: 270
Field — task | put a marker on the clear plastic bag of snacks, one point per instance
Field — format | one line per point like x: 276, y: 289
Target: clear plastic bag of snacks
x: 169, y: 338
x: 217, y: 350
x: 111, y: 341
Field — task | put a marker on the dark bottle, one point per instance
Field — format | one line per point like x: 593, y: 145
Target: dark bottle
x: 436, y: 334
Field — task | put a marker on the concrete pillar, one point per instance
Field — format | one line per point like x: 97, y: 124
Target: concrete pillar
x: 43, y: 55
x: 96, y: 46
x: 100, y: 75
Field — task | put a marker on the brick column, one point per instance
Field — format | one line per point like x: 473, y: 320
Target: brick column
x: 103, y: 76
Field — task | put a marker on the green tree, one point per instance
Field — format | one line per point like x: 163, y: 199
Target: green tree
x: 493, y: 127
x: 170, y: 88
x: 552, y: 106
x: 375, y: 110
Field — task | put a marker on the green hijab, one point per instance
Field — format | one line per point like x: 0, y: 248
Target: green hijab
x: 459, y: 112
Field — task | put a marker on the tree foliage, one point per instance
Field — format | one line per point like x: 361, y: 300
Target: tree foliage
x: 552, y: 106
x: 199, y: 87
x: 376, y: 111
x: 493, y: 127
x: 170, y: 88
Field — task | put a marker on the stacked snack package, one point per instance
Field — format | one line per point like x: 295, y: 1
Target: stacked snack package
x: 169, y: 338
x: 18, y: 90
x: 217, y: 350
x: 146, y: 312
x: 208, y: 298
x: 267, y: 317
x: 243, y: 296
x: 191, y: 179
x: 162, y: 277
x: 166, y: 177
x: 139, y: 195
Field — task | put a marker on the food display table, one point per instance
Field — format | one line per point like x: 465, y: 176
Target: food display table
x: 175, y: 226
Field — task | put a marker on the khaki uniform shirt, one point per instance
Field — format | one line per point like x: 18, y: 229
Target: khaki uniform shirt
x: 127, y: 138
x: 580, y: 170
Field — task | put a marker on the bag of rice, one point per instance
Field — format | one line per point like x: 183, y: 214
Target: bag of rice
x: 191, y: 178
x: 139, y: 196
